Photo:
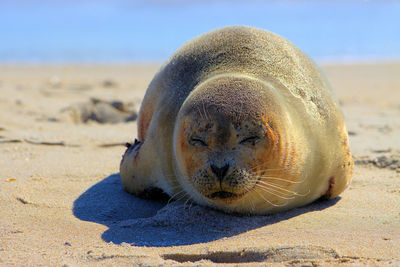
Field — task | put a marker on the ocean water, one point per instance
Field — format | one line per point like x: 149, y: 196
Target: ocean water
x: 122, y: 31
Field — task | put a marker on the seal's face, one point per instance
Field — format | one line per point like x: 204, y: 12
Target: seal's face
x: 231, y: 148
x: 223, y: 158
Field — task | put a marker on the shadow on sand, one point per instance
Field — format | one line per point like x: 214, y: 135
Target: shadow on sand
x: 149, y: 223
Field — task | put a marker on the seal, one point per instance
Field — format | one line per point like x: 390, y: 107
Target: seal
x: 240, y: 120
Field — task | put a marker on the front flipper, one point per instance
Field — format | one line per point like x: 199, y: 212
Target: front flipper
x: 132, y: 147
x: 135, y: 169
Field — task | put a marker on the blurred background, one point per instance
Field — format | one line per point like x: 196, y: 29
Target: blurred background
x: 121, y: 31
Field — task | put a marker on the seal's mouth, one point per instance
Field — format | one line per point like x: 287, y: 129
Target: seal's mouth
x: 222, y: 195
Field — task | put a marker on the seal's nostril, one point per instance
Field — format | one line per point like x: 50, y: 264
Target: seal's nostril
x: 220, y: 172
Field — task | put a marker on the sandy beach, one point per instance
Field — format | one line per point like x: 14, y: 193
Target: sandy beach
x: 62, y: 130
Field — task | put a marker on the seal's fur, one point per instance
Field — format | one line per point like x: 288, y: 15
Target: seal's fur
x: 227, y: 80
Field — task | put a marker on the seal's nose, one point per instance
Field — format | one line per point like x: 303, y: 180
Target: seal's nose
x: 220, y: 172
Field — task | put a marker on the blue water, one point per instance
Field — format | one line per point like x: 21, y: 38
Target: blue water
x: 135, y: 31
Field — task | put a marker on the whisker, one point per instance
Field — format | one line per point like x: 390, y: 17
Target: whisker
x: 276, y: 186
x: 185, y: 195
x: 276, y: 190
x: 275, y: 193
x: 281, y: 179
x: 191, y: 203
x: 173, y: 197
x: 267, y: 169
x: 258, y: 166
x: 275, y: 205
x: 189, y: 199
x: 253, y: 206
x: 283, y: 189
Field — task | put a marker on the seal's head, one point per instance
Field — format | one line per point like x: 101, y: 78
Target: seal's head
x: 227, y: 141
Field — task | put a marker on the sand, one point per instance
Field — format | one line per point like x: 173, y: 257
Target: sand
x: 62, y: 203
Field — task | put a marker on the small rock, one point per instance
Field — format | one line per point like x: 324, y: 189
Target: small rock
x: 109, y: 83
x: 385, y: 129
x: 384, y: 150
x: 67, y: 244
x: 118, y: 105
x: 100, y: 111
x: 52, y: 119
x: 391, y: 162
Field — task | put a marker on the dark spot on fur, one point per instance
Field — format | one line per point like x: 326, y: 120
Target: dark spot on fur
x: 328, y: 193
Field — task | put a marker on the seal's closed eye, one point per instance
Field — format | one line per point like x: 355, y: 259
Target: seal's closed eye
x: 252, y: 140
x: 195, y: 141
